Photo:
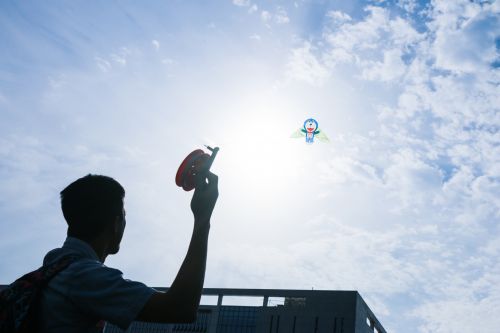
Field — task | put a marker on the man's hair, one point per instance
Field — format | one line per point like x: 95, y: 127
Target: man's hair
x: 91, y: 203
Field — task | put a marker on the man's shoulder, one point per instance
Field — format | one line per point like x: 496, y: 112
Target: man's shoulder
x: 89, y: 270
x: 82, y: 271
x: 59, y: 253
x: 89, y: 289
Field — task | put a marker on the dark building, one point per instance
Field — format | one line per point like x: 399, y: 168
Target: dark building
x: 279, y: 311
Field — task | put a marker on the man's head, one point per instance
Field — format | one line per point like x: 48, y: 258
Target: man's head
x: 93, y: 207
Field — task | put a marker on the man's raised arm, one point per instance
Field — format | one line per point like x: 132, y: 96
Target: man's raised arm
x: 180, y: 303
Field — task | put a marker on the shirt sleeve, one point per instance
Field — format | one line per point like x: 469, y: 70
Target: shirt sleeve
x: 103, y: 293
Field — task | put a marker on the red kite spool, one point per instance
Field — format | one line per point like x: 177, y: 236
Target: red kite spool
x: 194, y: 163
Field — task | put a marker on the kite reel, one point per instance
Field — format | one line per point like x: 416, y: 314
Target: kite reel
x: 195, y: 163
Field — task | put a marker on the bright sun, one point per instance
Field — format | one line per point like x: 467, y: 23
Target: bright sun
x: 259, y: 156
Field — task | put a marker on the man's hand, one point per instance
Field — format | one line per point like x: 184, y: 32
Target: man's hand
x: 205, y: 196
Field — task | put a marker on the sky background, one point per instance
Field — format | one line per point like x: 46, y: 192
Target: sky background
x: 402, y: 205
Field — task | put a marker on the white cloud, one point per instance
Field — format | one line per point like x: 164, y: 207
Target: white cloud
x: 304, y: 66
x: 105, y: 64
x: 281, y: 16
x: 242, y: 3
x: 408, y: 5
x: 56, y: 85
x: 102, y: 64
x: 470, y: 45
x: 57, y: 82
x: 338, y: 17
x: 265, y: 16
x: 254, y: 8
x: 156, y: 44
x: 411, y: 181
x: 120, y: 57
x: 391, y: 68
x: 376, y: 45
x: 345, y: 169
x: 167, y: 61
x: 255, y: 37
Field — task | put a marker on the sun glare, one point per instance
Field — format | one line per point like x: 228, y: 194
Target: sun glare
x: 259, y: 156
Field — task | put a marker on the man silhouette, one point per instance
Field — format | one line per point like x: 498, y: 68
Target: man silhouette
x: 87, y: 293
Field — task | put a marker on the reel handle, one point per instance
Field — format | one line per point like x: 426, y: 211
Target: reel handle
x: 208, y: 164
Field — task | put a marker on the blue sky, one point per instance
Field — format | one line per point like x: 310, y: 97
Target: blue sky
x: 402, y: 205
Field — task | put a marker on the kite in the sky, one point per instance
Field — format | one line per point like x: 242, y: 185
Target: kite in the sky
x: 310, y: 130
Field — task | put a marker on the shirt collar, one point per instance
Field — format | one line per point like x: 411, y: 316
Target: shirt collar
x: 77, y: 245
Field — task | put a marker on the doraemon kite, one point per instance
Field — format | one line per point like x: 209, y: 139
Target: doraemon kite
x: 310, y: 130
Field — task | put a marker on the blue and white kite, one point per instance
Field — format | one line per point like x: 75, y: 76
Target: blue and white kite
x: 310, y: 130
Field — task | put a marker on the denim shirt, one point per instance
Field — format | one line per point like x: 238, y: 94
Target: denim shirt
x: 87, y: 293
